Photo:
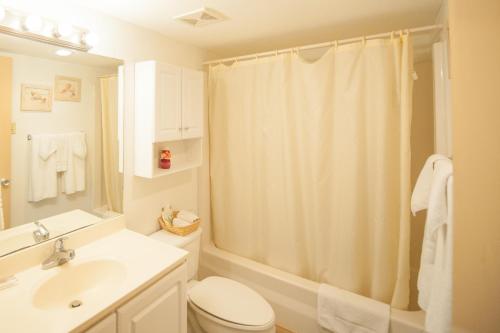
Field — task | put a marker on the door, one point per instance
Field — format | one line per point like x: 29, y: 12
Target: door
x: 192, y: 103
x: 107, y: 325
x: 161, y: 308
x: 168, y: 103
x: 5, y: 133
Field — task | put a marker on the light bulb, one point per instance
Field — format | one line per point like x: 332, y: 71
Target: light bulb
x: 2, y: 13
x: 33, y: 23
x: 48, y: 29
x: 63, y: 29
x: 15, y: 24
x: 90, y: 39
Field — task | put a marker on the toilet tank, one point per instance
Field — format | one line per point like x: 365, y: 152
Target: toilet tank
x: 190, y: 243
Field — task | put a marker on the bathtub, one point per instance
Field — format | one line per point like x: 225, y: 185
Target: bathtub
x: 293, y: 298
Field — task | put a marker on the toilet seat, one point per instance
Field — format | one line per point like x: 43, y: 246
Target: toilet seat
x: 231, y: 304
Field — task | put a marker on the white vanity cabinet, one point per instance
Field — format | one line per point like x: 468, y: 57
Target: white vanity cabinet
x: 160, y: 308
x: 106, y: 325
x: 169, y: 106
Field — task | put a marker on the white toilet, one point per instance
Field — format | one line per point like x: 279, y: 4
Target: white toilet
x: 217, y: 304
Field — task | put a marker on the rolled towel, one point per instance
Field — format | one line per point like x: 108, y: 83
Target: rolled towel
x: 187, y: 216
x: 341, y: 311
x: 177, y: 222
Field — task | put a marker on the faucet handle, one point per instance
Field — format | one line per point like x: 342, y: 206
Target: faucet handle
x: 59, y: 243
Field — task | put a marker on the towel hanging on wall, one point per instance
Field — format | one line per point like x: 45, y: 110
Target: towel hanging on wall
x: 53, y: 154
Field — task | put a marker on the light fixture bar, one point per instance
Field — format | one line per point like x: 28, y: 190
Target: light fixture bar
x: 42, y: 29
x: 44, y: 39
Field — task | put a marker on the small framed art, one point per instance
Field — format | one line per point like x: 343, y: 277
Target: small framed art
x: 36, y: 98
x: 67, y: 89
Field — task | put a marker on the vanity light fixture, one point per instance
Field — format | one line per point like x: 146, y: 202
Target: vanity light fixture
x: 45, y: 30
x: 90, y: 39
x: 33, y: 23
x: 2, y: 13
x: 63, y: 29
x: 63, y: 52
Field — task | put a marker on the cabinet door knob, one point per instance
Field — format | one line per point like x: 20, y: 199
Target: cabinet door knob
x: 4, y: 182
x: 186, y: 128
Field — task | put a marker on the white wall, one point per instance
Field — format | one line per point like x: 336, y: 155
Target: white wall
x: 64, y: 117
x: 143, y: 198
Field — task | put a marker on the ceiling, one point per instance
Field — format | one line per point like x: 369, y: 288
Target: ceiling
x: 261, y: 25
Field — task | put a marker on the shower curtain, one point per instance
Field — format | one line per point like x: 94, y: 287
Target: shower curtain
x: 310, y: 165
x: 109, y: 119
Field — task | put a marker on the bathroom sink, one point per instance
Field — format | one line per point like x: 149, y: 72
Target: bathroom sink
x: 77, y: 283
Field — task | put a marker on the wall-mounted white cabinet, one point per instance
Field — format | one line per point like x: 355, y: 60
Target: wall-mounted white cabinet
x: 169, y: 105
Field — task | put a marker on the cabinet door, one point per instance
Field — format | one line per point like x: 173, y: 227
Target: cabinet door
x: 107, y: 325
x: 160, y: 308
x: 192, y: 103
x: 168, y: 119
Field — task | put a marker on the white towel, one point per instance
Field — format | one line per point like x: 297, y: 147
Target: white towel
x: 341, y: 311
x: 187, y: 216
x: 2, y: 219
x: 177, y: 222
x: 74, y: 176
x: 61, y: 142
x: 437, y: 217
x: 420, y: 195
x: 438, y: 313
x: 43, y: 171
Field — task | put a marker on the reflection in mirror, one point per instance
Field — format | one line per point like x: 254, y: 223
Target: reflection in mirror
x: 61, y: 135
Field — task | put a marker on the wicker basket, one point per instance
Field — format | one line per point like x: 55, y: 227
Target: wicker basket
x: 181, y: 231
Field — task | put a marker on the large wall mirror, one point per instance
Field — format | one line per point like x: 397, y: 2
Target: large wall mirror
x: 61, y: 141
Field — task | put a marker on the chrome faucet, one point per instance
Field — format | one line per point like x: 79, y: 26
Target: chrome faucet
x: 41, y: 233
x: 60, y: 255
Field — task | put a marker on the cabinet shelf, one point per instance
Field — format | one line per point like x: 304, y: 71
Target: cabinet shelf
x: 186, y: 154
x: 169, y: 105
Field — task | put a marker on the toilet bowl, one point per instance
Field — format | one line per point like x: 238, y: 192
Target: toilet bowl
x: 217, y: 304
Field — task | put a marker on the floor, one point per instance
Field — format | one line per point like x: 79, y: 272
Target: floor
x: 282, y: 330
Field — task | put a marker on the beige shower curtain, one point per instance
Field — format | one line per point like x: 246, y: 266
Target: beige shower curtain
x: 109, y: 117
x: 310, y: 165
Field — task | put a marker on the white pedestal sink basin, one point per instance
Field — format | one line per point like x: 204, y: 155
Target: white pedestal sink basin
x: 79, y: 283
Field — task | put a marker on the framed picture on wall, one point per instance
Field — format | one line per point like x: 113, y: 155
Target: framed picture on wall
x: 36, y: 98
x: 68, y: 89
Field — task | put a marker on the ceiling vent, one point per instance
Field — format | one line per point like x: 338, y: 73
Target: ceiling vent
x: 201, y: 17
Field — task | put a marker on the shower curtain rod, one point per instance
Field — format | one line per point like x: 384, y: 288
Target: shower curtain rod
x: 327, y: 44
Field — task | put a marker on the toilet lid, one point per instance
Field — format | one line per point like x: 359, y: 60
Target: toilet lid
x: 231, y: 301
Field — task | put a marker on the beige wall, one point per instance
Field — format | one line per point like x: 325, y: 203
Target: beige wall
x: 5, y: 121
x: 475, y: 74
x: 143, y: 198
x: 422, y: 145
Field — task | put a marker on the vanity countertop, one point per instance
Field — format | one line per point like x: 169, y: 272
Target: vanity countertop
x: 137, y: 261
